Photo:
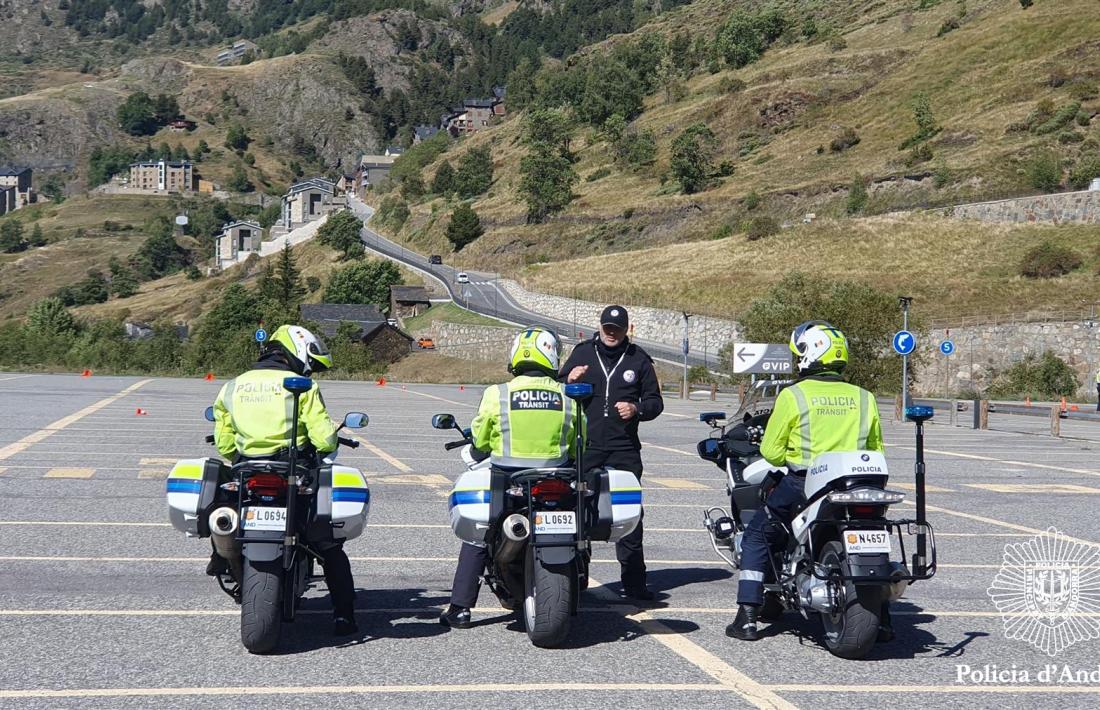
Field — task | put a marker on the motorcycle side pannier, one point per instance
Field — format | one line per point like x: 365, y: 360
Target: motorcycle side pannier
x: 192, y: 487
x: 618, y: 503
x: 470, y: 505
x: 343, y: 501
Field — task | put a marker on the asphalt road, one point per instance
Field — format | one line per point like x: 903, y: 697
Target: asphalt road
x: 102, y: 604
x: 485, y: 296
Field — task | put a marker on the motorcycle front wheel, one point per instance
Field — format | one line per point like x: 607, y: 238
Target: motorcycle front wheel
x: 261, y: 608
x: 548, y: 600
x: 850, y: 630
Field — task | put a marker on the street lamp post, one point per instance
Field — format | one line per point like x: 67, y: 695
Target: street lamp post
x: 904, y: 302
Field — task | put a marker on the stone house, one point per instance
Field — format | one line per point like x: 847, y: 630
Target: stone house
x: 408, y: 301
x: 7, y: 199
x: 309, y: 200
x: 423, y: 133
x: 386, y: 343
x: 19, y: 179
x: 475, y: 115
x: 372, y: 170
x: 163, y: 176
x: 237, y: 238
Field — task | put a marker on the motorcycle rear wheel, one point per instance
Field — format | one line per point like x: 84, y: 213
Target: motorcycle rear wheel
x: 851, y: 631
x: 548, y: 600
x: 261, y: 608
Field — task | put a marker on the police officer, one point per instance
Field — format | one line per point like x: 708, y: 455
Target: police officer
x: 1098, y: 390
x: 626, y: 392
x: 524, y: 423
x: 252, y: 420
x: 798, y: 431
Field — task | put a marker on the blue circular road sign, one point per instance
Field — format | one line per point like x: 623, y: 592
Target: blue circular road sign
x: 947, y: 347
x: 904, y: 342
x: 261, y: 335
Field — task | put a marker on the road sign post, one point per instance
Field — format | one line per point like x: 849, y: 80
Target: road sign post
x: 685, y: 349
x: 904, y: 343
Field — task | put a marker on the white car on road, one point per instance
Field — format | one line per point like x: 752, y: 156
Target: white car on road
x: 462, y: 277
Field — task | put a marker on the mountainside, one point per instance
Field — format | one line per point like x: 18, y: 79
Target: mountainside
x: 836, y: 98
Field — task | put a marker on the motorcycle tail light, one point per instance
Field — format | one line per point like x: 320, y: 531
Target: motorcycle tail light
x: 865, y: 511
x: 551, y: 489
x: 266, y: 484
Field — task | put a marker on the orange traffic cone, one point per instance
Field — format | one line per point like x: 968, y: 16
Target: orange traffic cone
x: 1073, y: 407
x: 461, y: 388
x: 140, y: 412
x: 381, y: 382
x: 209, y: 377
x: 86, y: 373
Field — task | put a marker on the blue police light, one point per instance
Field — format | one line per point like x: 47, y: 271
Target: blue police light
x: 578, y: 390
x: 297, y: 385
x: 918, y: 414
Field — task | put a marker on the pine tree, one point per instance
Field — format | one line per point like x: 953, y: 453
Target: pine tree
x: 465, y: 226
x: 444, y: 181
x: 38, y: 239
x: 288, y: 280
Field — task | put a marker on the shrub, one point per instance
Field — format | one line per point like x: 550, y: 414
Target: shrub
x: 1083, y: 91
x: 857, y: 195
x: 1083, y: 173
x: 464, y: 227
x: 844, y: 141
x: 950, y: 24
x: 730, y: 85
x: 366, y: 281
x: 1083, y: 118
x: 342, y: 232
x: 1044, y: 171
x: 692, y: 152
x: 1066, y: 137
x: 761, y: 226
x: 724, y: 231
x: 941, y: 176
x: 1025, y: 4
x: 1046, y: 377
x: 921, y: 154
x: 1060, y: 119
x: 751, y: 201
x: 837, y: 43
x: 1048, y: 261
x: 598, y: 174
x: 628, y: 213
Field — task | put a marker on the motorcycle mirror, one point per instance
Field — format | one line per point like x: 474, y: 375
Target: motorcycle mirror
x: 578, y: 390
x: 356, y: 420
x: 297, y: 385
x: 208, y: 414
x: 709, y: 450
x: 708, y: 417
x: 444, y: 421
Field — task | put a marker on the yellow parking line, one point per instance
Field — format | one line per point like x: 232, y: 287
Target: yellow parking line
x: 153, y: 473
x: 161, y: 461
x: 391, y: 460
x: 1033, y: 488
x: 913, y: 487
x: 413, y: 479
x: 441, y: 399
x: 680, y: 483
x: 35, y: 437
x: 70, y: 473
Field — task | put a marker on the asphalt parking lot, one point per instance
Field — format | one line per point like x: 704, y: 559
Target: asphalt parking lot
x: 103, y: 604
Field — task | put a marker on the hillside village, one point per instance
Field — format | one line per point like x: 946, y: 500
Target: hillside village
x: 708, y: 158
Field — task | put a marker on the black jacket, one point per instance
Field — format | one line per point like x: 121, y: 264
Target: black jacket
x: 632, y: 379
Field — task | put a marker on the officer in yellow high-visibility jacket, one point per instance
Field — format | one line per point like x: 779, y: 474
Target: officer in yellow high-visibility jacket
x: 817, y: 414
x: 524, y: 423
x: 252, y: 419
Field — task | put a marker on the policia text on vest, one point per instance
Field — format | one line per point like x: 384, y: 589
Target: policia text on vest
x: 536, y: 399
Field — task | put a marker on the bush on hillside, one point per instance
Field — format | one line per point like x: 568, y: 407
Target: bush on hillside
x: 1044, y: 171
x: 844, y: 141
x: 761, y: 226
x: 1048, y: 261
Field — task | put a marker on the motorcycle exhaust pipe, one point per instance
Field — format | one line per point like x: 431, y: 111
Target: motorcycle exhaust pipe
x: 223, y: 529
x: 516, y: 529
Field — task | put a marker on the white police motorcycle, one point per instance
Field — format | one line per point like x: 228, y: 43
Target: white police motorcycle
x: 839, y: 561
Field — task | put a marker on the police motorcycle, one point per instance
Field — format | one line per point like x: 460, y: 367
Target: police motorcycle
x: 839, y: 561
x: 538, y: 525
x: 260, y: 515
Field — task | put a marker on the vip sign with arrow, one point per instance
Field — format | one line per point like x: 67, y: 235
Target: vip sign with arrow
x: 761, y: 359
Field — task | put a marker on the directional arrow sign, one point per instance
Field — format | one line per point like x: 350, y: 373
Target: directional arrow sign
x: 761, y: 359
x: 904, y: 342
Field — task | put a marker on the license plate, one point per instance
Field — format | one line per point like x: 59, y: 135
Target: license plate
x: 866, y: 541
x: 561, y: 523
x: 272, y: 519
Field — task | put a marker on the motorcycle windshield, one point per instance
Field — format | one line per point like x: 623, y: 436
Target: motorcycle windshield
x: 760, y: 398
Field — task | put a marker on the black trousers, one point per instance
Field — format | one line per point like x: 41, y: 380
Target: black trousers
x: 628, y: 550
x: 341, y: 585
x: 471, y: 564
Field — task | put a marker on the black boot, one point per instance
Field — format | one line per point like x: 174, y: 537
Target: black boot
x: 344, y: 626
x: 457, y: 617
x: 885, y: 626
x: 744, y: 624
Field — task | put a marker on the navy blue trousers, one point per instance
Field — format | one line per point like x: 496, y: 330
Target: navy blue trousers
x: 765, y: 534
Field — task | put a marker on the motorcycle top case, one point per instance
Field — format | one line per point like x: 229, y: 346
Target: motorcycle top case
x: 469, y: 505
x: 618, y: 504
x: 192, y: 486
x: 862, y: 466
x: 343, y: 501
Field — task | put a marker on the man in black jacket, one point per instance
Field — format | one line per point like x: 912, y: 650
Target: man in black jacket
x: 625, y: 392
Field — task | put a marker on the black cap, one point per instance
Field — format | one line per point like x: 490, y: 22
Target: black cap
x: 615, y: 315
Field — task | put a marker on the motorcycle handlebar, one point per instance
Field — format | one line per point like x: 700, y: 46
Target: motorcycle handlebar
x: 350, y: 443
x: 454, y: 444
x: 210, y: 438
